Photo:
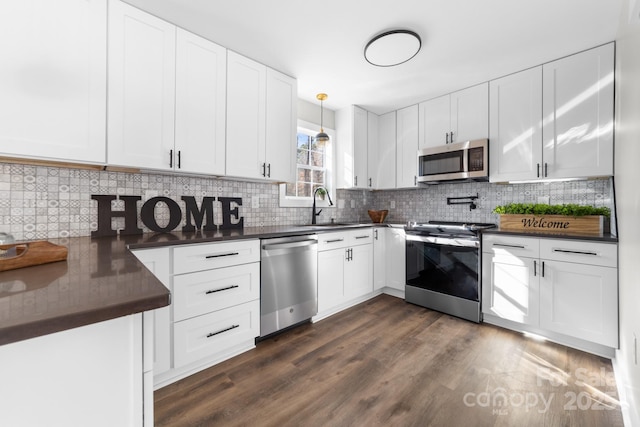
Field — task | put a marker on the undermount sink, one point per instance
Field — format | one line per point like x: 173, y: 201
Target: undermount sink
x: 336, y: 224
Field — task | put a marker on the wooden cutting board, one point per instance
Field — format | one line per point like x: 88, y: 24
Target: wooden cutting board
x: 30, y: 253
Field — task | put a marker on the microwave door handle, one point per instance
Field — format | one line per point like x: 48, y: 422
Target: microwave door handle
x: 465, y: 161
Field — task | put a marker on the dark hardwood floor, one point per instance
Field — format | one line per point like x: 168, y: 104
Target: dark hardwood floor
x: 388, y: 363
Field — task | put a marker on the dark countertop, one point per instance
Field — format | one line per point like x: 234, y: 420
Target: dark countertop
x: 102, y: 280
x: 605, y: 238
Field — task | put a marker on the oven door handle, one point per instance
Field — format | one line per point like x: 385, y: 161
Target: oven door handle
x: 468, y: 243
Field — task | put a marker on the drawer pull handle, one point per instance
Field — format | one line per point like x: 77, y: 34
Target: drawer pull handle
x: 213, y: 291
x: 362, y: 237
x: 566, y: 251
x: 502, y: 245
x: 334, y: 240
x: 213, y: 334
x: 220, y: 255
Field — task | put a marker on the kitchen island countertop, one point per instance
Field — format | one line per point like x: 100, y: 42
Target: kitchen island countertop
x: 102, y: 280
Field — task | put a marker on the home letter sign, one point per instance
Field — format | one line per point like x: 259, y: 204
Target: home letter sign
x: 196, y: 218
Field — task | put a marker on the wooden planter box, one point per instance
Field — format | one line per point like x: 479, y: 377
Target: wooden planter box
x: 595, y: 225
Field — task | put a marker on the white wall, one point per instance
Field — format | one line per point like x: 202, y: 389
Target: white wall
x: 628, y: 207
x: 310, y: 112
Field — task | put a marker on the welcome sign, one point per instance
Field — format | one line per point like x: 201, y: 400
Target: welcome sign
x: 588, y: 225
x: 197, y: 217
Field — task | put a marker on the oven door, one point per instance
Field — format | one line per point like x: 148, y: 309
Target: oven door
x: 446, y: 265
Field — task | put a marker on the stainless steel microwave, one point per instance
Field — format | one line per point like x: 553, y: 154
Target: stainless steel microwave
x: 454, y: 162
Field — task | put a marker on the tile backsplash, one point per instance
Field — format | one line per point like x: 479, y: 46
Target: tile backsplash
x: 43, y: 202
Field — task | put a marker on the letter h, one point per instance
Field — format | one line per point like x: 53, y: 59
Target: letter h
x: 105, y: 214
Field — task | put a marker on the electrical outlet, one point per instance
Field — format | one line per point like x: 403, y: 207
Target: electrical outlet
x: 543, y: 200
x: 392, y: 204
x: 255, y: 202
x: 340, y: 203
x: 353, y: 204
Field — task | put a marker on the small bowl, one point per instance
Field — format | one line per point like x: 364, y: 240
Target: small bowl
x: 378, y: 216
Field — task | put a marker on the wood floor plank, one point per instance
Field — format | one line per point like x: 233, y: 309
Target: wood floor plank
x: 388, y: 363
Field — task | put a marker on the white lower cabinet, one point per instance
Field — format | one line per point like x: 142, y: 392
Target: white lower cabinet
x: 389, y: 260
x: 215, y: 310
x: 566, y: 290
x: 345, y: 269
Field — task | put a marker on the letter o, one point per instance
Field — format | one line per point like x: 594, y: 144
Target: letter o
x: 147, y: 214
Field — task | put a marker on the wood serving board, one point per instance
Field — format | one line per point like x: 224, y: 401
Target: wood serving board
x: 31, y: 253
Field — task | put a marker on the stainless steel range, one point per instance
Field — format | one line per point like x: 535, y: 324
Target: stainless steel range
x: 443, y: 267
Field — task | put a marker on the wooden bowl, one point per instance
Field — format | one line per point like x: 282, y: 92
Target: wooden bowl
x: 378, y: 216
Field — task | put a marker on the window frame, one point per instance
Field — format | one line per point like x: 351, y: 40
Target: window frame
x: 298, y: 202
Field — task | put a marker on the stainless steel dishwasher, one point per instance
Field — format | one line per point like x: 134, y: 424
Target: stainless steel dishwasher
x: 288, y: 282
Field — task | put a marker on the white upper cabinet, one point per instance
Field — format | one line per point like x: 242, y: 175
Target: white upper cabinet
x: 352, y: 136
x: 201, y: 70
x: 457, y: 117
x: 435, y: 122
x: 282, y: 119
x: 142, y: 68
x: 578, y: 114
x: 384, y: 174
x: 407, y: 147
x: 246, y: 117
x: 53, y: 79
x: 373, y: 155
x: 261, y: 121
x: 515, y: 129
x: 554, y: 121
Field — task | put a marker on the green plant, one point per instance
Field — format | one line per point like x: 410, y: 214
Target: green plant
x: 542, y: 209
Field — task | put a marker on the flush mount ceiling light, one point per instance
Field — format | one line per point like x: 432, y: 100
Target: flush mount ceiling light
x: 392, y: 48
x: 322, y: 137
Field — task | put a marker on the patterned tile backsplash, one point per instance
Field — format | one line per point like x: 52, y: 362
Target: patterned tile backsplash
x: 42, y: 202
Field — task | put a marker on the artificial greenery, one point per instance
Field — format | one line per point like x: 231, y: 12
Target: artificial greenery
x: 542, y: 209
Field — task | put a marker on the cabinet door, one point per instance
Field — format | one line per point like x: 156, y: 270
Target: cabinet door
x: 201, y: 78
x: 379, y: 258
x: 407, y: 147
x: 384, y: 173
x: 581, y: 301
x: 360, y: 137
x: 372, y: 151
x: 141, y: 88
x: 53, y: 79
x: 330, y: 278
x: 510, y: 288
x: 396, y: 258
x: 435, y: 122
x: 358, y: 272
x: 578, y: 114
x: 515, y: 130
x: 282, y: 116
x: 157, y: 261
x: 246, y: 103
x: 470, y: 113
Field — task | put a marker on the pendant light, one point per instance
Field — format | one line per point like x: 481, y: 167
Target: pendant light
x: 321, y: 137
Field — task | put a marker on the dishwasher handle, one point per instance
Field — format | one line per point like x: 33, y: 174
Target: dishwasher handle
x: 290, y: 245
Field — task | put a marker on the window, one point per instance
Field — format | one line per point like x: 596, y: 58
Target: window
x: 314, y: 168
x: 311, y: 171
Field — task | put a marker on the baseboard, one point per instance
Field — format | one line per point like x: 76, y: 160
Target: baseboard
x: 393, y: 292
x: 630, y: 415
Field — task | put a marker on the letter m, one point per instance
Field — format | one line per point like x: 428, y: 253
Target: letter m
x: 198, y: 215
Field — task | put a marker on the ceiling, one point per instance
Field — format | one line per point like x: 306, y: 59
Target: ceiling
x: 464, y: 42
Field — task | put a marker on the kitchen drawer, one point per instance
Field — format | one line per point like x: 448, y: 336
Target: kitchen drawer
x: 205, y: 256
x: 205, y: 291
x: 328, y: 241
x: 361, y: 236
x: 215, y: 333
x: 580, y: 251
x: 511, y: 245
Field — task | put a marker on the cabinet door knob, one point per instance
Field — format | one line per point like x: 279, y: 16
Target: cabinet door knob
x: 369, y: 182
x: 355, y: 180
x: 451, y: 137
x: 179, y: 158
x: 446, y: 138
x: 170, y: 158
x: 538, y: 168
x: 269, y: 170
x: 264, y: 169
